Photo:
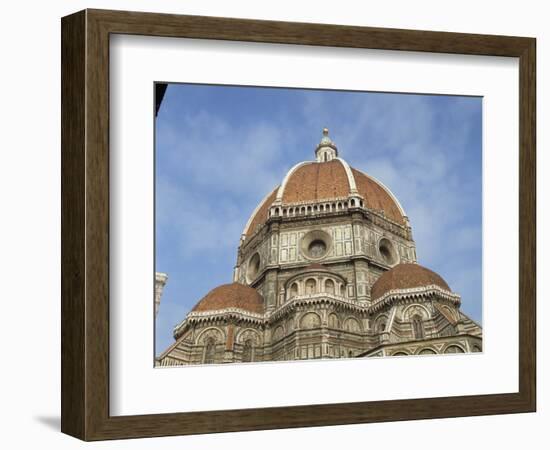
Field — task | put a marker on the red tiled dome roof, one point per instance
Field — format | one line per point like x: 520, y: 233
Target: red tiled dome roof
x: 376, y: 197
x: 317, y: 181
x: 234, y: 295
x: 261, y: 213
x: 406, y: 276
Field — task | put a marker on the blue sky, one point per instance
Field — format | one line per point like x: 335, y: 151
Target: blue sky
x: 221, y: 149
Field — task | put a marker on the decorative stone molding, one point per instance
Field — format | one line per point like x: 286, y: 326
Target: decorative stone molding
x: 351, y: 179
x: 249, y: 333
x: 226, y: 314
x: 414, y: 293
x: 211, y: 333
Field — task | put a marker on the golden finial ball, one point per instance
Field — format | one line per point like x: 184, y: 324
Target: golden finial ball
x: 325, y: 131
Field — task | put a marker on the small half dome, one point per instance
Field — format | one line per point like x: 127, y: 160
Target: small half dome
x: 234, y: 295
x: 406, y: 276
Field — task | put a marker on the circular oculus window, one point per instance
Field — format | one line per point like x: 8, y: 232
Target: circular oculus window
x: 387, y: 252
x: 316, y: 244
x: 317, y: 248
x: 253, y: 268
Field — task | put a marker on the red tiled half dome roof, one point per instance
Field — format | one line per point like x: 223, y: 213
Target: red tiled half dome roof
x: 234, y: 295
x: 406, y: 276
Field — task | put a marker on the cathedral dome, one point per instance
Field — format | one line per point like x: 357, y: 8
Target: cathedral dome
x: 234, y: 295
x: 406, y: 276
x: 326, y: 179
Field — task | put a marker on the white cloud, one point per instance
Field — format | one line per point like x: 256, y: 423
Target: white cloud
x: 236, y: 161
x: 195, y: 223
x: 213, y: 176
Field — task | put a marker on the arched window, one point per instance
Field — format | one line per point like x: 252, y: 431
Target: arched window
x: 248, y: 351
x: 382, y: 326
x: 310, y: 320
x: 418, y: 327
x: 427, y: 351
x: 294, y: 290
x: 454, y: 349
x: 310, y: 286
x: 351, y: 324
x: 278, y: 334
x: 329, y: 287
x: 210, y: 351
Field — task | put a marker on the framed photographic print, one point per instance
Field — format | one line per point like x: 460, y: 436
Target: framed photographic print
x: 268, y: 224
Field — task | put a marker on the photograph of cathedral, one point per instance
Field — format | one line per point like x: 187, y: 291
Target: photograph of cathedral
x: 326, y: 264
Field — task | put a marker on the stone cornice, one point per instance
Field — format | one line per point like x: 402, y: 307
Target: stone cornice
x: 368, y: 214
x: 225, y: 313
x: 316, y: 202
x: 390, y: 298
x: 414, y: 293
x: 303, y: 300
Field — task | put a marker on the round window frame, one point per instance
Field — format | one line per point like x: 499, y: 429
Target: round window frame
x: 249, y: 276
x: 312, y: 236
x: 384, y: 241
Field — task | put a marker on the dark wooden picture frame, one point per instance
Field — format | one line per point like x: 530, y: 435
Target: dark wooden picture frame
x: 85, y: 224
